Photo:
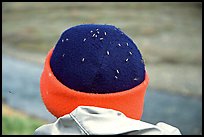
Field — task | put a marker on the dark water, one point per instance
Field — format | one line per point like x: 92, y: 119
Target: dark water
x: 22, y: 80
x: 20, y: 89
x: 180, y: 111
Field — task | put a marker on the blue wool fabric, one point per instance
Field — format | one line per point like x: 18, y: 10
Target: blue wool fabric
x: 97, y: 58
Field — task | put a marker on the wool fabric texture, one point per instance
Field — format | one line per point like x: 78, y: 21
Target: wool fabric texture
x: 60, y: 99
x: 97, y: 58
x: 94, y: 65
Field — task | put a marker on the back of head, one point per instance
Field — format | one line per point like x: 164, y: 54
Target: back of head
x: 97, y: 59
x: 95, y: 65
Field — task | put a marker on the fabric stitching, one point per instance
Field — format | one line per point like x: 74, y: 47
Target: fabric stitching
x: 99, y: 68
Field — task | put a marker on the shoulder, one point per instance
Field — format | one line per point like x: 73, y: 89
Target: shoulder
x: 168, y: 129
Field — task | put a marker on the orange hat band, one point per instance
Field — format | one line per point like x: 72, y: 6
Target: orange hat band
x: 61, y: 100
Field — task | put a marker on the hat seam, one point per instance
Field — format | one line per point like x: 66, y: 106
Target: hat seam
x: 102, y: 61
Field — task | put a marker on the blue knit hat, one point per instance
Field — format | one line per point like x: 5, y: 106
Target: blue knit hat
x: 96, y: 58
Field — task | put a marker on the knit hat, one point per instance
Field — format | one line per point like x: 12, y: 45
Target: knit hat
x: 94, y: 65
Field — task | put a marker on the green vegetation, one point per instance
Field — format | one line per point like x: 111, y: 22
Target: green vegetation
x: 169, y: 36
x: 17, y: 123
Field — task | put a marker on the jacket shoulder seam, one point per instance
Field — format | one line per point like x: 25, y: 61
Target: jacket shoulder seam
x: 79, y: 124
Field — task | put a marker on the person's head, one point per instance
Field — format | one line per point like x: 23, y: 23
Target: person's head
x: 94, y: 65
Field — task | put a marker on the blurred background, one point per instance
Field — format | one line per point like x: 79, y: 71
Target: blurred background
x: 169, y: 36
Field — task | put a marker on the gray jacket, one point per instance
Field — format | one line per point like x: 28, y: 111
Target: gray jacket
x: 87, y: 120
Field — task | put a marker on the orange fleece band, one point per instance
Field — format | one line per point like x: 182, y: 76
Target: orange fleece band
x: 61, y: 100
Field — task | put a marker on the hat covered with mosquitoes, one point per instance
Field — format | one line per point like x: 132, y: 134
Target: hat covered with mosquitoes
x: 94, y: 65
